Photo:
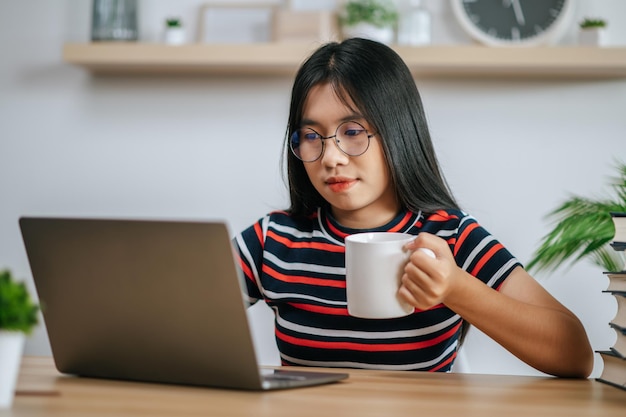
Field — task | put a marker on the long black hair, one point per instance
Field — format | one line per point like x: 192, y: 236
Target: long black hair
x: 376, y: 79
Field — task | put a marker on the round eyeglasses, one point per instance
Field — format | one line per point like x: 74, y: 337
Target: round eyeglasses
x: 350, y: 137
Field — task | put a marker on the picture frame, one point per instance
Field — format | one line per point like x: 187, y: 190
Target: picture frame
x: 308, y: 5
x: 306, y: 26
x: 307, y: 21
x: 236, y: 22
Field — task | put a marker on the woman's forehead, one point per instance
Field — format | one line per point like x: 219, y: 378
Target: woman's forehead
x: 326, y: 97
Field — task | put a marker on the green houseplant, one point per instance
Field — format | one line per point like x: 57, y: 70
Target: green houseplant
x: 378, y: 13
x: 18, y: 317
x: 592, y: 23
x: 174, y: 33
x: 173, y: 22
x: 373, y: 19
x: 593, y: 32
x: 17, y: 311
x: 583, y: 230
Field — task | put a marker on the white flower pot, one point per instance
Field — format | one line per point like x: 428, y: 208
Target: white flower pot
x: 365, y: 30
x: 593, y: 37
x: 174, y: 36
x: 11, y: 348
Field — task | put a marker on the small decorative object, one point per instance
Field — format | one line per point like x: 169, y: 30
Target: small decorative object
x: 222, y: 22
x: 593, y: 32
x: 308, y: 5
x: 18, y: 317
x: 514, y: 22
x: 584, y: 230
x: 174, y: 33
x: 372, y: 19
x: 114, y: 20
x: 414, y: 24
x: 305, y: 26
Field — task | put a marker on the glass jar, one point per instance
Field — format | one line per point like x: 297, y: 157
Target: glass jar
x: 414, y: 26
x: 114, y: 20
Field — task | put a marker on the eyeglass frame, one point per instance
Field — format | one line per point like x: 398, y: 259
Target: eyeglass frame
x: 323, y: 138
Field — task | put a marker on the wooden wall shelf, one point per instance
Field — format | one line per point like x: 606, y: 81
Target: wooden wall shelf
x: 284, y: 59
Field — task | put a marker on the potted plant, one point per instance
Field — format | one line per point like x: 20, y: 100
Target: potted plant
x: 18, y: 317
x: 174, y: 33
x: 583, y: 230
x: 372, y: 19
x: 593, y: 32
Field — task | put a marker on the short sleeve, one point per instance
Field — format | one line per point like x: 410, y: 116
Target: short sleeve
x: 480, y: 254
x: 249, y: 248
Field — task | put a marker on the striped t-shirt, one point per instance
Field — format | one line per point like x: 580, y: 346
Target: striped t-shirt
x: 297, y: 266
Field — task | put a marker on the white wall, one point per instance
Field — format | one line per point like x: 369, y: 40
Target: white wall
x: 181, y: 147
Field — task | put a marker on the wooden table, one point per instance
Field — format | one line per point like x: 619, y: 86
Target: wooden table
x: 42, y: 391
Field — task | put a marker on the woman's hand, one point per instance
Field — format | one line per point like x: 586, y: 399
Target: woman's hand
x: 521, y: 315
x: 428, y: 280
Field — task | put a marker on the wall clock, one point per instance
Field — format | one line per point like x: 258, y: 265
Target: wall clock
x: 514, y: 22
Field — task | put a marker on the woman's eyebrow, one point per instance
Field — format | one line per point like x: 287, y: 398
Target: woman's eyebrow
x: 350, y: 117
x: 308, y: 122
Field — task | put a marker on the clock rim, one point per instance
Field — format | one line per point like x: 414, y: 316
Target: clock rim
x: 551, y: 35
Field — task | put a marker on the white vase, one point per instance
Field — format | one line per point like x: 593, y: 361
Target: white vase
x: 593, y: 37
x: 11, y: 348
x: 365, y: 30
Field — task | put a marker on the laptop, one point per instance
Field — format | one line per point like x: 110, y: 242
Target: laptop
x: 148, y: 300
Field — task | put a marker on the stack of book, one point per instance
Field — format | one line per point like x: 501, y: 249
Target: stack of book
x: 614, y: 372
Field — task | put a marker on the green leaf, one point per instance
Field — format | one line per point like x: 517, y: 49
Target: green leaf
x: 380, y: 13
x: 582, y: 230
x: 592, y: 23
x: 17, y: 311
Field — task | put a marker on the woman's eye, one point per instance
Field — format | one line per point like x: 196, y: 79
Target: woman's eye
x: 352, y: 132
x: 310, y: 136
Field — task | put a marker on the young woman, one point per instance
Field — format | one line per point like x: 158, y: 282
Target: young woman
x: 360, y: 158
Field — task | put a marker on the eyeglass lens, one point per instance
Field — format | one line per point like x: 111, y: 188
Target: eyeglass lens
x: 351, y: 138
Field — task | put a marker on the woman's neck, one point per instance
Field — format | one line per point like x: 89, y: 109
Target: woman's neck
x: 364, y: 219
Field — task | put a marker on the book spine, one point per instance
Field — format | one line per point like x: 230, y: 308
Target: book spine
x: 613, y: 384
x: 618, y: 323
x: 619, y: 328
x: 619, y: 221
x: 618, y: 246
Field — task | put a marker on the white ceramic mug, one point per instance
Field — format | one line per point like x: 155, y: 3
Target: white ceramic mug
x: 374, y: 267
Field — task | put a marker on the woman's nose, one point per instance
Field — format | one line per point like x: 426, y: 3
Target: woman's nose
x: 332, y: 155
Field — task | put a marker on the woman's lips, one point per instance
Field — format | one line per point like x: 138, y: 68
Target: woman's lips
x: 338, y: 184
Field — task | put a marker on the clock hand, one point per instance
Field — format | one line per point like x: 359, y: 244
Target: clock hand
x: 519, y: 15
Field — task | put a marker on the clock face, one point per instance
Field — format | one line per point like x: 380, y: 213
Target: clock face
x: 514, y: 22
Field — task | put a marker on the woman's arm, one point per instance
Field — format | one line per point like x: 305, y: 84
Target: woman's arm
x: 522, y: 316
